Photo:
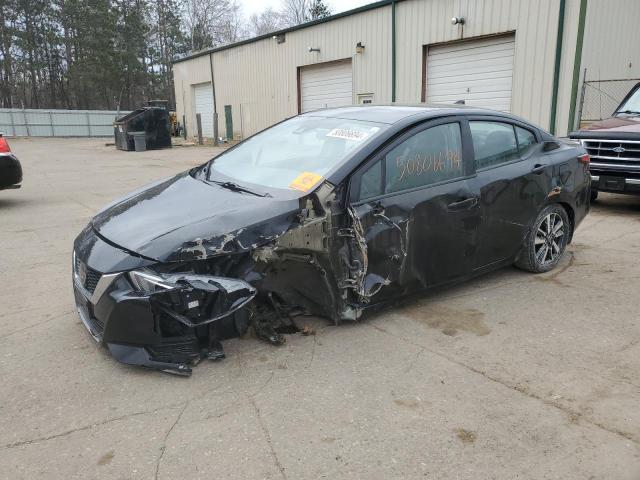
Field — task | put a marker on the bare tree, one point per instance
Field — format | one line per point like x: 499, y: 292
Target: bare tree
x: 266, y: 22
x: 296, y: 12
x: 232, y: 26
x: 208, y: 21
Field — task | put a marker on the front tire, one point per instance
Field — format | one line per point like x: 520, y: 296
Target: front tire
x: 594, y: 194
x: 546, y: 242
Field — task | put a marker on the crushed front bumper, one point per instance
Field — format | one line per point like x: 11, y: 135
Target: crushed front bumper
x: 168, y: 330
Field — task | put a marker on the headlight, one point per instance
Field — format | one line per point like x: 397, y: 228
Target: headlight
x: 146, y: 281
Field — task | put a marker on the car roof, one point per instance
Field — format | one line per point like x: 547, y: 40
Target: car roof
x: 390, y: 114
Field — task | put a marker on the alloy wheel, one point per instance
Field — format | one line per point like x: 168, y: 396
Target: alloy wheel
x: 549, y: 239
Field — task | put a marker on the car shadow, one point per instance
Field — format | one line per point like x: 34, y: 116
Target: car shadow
x: 12, y: 202
x: 616, y: 203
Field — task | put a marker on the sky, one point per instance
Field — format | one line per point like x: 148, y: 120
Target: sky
x: 256, y: 6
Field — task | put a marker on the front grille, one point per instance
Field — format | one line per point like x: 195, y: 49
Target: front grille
x: 614, y: 151
x: 92, y: 276
x: 85, y: 310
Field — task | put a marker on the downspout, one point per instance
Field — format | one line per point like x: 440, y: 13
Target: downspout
x: 215, y: 111
x: 577, y: 64
x: 556, y: 70
x: 393, y: 51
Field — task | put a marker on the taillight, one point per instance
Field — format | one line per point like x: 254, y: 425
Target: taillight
x: 584, y: 159
x: 4, y: 146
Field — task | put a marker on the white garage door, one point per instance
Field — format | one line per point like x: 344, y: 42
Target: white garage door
x: 204, y: 106
x: 326, y: 85
x: 480, y: 72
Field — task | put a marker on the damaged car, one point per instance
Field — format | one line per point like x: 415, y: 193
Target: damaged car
x: 334, y: 213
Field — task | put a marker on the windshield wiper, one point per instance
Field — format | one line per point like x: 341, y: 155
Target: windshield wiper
x: 234, y: 187
x: 629, y: 112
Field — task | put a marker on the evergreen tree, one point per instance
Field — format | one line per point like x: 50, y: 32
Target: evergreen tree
x: 318, y: 9
x: 105, y: 54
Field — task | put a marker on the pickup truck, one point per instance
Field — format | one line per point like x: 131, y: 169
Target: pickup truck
x: 614, y: 147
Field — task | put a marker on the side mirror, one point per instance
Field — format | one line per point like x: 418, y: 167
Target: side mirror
x: 550, y: 145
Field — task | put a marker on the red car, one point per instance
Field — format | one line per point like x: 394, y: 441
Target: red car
x: 10, y: 168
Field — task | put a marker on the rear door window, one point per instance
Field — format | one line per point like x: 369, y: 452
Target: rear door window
x: 494, y: 143
x: 526, y: 140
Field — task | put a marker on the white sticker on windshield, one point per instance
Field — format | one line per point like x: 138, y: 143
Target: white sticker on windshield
x: 354, y: 135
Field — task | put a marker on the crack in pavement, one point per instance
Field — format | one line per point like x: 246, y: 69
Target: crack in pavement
x: 163, y: 447
x: 520, y: 389
x: 414, y: 360
x: 313, y: 350
x: 267, y: 436
x: 86, y: 427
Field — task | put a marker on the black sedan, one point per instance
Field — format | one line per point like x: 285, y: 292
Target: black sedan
x: 10, y: 168
x: 332, y: 213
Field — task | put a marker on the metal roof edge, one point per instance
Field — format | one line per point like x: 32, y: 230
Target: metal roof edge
x: 364, y: 8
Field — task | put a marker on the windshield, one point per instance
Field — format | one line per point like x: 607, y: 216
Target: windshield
x: 632, y: 105
x: 296, y: 153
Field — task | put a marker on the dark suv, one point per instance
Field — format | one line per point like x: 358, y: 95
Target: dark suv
x: 614, y: 147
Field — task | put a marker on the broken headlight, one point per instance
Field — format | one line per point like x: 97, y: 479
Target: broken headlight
x: 191, y: 298
x: 146, y: 281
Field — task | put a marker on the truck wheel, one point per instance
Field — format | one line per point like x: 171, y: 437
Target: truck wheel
x: 545, y: 243
x: 594, y: 194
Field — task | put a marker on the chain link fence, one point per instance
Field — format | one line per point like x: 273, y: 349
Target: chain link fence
x: 600, y: 98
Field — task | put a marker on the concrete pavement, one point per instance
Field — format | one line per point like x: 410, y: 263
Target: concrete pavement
x: 512, y: 375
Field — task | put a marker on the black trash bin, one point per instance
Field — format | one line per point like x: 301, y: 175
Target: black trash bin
x: 152, y: 121
x: 139, y: 141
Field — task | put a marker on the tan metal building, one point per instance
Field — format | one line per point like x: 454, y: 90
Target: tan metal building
x: 527, y: 57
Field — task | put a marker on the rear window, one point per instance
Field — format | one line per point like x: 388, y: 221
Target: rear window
x: 526, y: 140
x: 494, y: 143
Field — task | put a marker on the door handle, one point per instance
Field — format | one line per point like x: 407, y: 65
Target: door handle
x: 463, y: 204
x: 538, y: 168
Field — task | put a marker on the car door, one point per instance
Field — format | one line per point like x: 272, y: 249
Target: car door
x: 512, y: 182
x: 414, y: 212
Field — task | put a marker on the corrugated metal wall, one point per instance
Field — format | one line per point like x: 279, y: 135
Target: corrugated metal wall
x: 57, y: 123
x: 185, y: 76
x: 612, y: 40
x: 259, y: 79
x: 535, y: 23
x: 611, y: 56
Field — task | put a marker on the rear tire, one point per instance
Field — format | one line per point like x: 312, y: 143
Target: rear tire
x: 594, y: 194
x: 547, y: 240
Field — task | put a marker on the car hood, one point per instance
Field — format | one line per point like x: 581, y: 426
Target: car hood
x: 611, y: 126
x: 184, y: 218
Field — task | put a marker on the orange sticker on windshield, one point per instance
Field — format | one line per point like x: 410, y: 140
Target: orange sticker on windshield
x: 305, y: 181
